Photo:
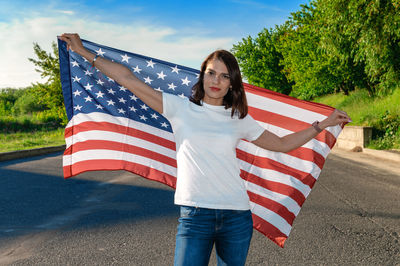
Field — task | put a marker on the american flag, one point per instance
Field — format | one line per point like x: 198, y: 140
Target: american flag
x: 110, y: 128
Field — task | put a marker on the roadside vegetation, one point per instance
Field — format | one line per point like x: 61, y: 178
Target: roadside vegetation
x: 34, y: 116
x: 380, y: 113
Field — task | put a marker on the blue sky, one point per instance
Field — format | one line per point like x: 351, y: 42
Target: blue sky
x: 183, y: 32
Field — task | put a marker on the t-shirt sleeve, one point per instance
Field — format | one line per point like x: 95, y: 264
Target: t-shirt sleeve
x: 251, y: 129
x: 171, y: 104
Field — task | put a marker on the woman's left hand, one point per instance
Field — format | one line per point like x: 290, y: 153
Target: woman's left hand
x: 337, y: 117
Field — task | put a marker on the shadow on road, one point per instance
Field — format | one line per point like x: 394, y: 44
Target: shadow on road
x: 34, y: 196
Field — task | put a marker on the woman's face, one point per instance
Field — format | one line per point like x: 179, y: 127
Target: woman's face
x: 216, y: 82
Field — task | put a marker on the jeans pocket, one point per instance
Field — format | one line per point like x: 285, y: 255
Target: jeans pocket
x: 188, y: 211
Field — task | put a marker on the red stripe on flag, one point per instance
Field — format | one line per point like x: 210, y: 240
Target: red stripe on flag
x: 274, y: 206
x: 102, y: 165
x: 119, y: 146
x: 308, y: 155
x: 266, y: 163
x: 310, y: 106
x: 111, y: 127
x: 269, y: 230
x: 280, y: 188
x: 289, y: 124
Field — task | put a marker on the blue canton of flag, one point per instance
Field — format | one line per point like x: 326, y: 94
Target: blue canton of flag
x: 92, y: 91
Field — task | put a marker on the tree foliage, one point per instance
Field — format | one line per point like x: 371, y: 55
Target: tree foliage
x: 305, y: 63
x: 260, y: 60
x: 365, y: 34
x: 50, y: 92
x: 327, y: 46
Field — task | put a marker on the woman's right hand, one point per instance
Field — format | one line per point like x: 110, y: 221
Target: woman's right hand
x: 73, y: 42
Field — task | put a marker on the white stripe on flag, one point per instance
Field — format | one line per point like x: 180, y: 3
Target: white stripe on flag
x: 275, y: 176
x: 117, y: 137
x: 271, y: 217
x: 88, y: 155
x: 286, y: 201
x: 283, y: 158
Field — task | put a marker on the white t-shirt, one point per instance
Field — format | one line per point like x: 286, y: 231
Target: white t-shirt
x: 206, y: 138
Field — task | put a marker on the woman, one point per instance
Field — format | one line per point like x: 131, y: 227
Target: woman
x: 207, y: 128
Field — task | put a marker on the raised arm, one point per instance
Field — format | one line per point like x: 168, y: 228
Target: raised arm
x: 272, y: 142
x: 117, y: 72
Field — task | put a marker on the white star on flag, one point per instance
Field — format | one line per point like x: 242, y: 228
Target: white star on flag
x: 171, y: 86
x: 74, y: 64
x: 150, y: 63
x: 77, y: 93
x: 125, y: 58
x: 143, y: 106
x: 76, y: 79
x: 88, y: 73
x: 185, y: 81
x: 161, y: 75
x: 148, y: 80
x: 137, y: 70
x: 88, y: 87
x: 175, y: 69
x: 100, y: 52
x: 88, y: 99
x: 99, y: 94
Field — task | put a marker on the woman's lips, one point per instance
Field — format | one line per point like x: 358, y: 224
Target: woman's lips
x: 215, y: 89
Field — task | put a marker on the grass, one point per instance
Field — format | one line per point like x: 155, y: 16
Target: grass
x: 382, y: 113
x: 30, y: 140
x: 30, y: 131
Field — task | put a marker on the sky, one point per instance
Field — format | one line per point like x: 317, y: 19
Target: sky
x: 181, y: 32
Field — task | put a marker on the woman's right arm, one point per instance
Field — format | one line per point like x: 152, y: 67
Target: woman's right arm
x: 117, y: 72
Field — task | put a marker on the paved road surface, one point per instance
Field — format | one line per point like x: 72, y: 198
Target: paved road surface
x: 115, y: 218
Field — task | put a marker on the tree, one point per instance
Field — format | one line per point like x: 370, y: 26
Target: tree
x: 364, y: 35
x: 50, y: 92
x: 306, y: 63
x: 260, y: 61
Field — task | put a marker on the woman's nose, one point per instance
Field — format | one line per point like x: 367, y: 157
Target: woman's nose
x: 216, y: 79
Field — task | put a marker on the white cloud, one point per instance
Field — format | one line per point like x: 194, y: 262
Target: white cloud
x: 67, y: 12
x: 16, y: 43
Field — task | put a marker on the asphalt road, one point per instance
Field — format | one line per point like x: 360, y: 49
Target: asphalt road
x: 115, y: 218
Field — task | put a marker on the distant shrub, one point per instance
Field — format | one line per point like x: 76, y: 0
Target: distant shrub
x: 27, y: 103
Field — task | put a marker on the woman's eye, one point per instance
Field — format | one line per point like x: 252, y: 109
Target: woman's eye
x: 226, y: 77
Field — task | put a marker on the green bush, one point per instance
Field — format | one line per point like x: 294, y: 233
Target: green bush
x: 386, y: 131
x: 380, y: 112
x: 27, y: 103
x: 8, y: 97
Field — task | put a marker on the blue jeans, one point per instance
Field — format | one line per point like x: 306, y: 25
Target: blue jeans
x: 200, y: 228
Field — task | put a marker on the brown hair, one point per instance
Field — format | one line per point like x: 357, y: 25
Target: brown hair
x: 235, y: 97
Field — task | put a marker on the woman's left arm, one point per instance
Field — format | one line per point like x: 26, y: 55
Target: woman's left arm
x: 270, y: 141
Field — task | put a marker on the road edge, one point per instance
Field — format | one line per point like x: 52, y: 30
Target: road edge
x: 12, y: 155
